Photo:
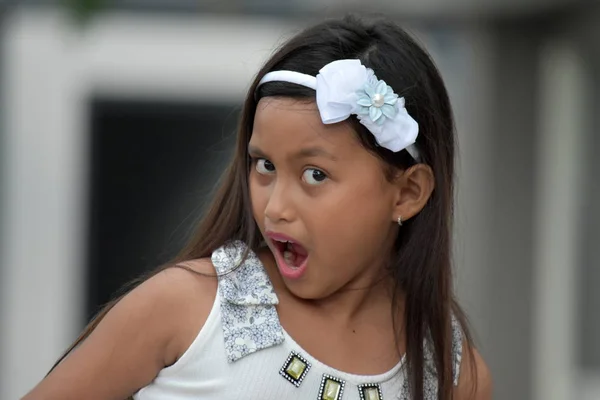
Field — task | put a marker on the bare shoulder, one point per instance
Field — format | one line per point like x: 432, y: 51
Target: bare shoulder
x: 174, y: 304
x: 145, y: 331
x: 196, y: 278
x: 475, y: 380
x: 188, y: 290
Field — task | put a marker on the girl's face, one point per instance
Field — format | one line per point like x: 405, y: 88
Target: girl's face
x: 315, y: 185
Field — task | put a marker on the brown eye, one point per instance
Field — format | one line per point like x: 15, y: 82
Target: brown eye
x: 314, y: 176
x: 264, y: 166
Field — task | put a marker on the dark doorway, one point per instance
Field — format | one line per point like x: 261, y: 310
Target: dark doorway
x: 154, y: 166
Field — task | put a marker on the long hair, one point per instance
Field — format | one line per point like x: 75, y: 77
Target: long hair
x: 421, y: 265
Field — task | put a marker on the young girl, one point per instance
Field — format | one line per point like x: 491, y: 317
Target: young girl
x: 322, y: 268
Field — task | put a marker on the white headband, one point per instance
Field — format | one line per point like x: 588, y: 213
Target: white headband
x: 346, y: 87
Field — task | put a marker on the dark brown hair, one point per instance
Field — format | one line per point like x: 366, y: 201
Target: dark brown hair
x: 421, y: 266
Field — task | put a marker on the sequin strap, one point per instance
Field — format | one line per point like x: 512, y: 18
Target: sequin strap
x: 249, y: 318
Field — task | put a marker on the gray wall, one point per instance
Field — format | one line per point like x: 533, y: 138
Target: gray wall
x: 496, y: 112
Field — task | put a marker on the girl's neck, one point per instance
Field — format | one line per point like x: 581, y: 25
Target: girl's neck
x: 363, y: 298
x: 356, y: 303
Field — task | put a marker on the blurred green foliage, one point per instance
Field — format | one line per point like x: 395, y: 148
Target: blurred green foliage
x: 82, y: 10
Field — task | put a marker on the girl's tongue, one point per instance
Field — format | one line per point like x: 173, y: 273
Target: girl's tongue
x: 294, y: 254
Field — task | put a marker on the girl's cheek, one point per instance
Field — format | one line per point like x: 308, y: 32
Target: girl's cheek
x: 258, y: 198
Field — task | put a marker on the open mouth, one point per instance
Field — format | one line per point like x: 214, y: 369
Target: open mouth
x: 293, y: 254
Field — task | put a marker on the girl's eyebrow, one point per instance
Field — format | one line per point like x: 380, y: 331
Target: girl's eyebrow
x: 306, y: 152
x: 256, y: 152
x: 315, y: 152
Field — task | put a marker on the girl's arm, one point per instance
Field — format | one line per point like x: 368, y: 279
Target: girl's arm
x: 475, y: 381
x: 148, y: 329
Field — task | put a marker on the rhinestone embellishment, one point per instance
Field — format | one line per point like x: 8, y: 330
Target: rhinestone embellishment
x: 295, y: 369
x: 370, y: 391
x: 331, y: 388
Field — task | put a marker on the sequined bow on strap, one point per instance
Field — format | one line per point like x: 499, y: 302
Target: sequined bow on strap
x: 249, y: 318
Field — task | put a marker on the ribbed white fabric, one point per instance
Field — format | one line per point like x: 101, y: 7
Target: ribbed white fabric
x: 204, y: 373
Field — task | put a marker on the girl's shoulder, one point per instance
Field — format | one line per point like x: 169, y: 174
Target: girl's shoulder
x: 172, y: 306
x: 145, y: 331
x: 191, y: 288
x: 476, y: 380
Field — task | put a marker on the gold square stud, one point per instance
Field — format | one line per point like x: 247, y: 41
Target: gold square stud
x: 370, y: 391
x: 331, y: 388
x: 295, y: 368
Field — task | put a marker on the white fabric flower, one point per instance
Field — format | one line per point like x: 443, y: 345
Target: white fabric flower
x: 346, y: 87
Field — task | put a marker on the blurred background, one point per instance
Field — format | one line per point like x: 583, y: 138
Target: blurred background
x: 117, y: 117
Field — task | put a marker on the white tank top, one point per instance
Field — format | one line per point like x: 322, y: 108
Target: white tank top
x: 243, y: 352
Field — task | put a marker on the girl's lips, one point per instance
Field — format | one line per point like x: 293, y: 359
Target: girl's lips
x: 280, y: 237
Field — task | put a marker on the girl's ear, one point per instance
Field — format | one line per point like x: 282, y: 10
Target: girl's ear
x: 414, y: 187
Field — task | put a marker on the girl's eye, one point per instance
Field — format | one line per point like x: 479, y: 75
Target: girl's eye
x: 313, y: 176
x: 264, y: 166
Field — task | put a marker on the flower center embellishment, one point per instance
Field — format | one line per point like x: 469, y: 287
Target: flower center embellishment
x: 377, y: 100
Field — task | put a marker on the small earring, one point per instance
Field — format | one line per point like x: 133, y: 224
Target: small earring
x: 400, y: 220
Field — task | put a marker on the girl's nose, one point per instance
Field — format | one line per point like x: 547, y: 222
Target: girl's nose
x: 280, y: 205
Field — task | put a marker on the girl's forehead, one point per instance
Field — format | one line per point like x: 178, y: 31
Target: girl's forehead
x: 284, y: 123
